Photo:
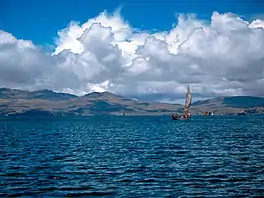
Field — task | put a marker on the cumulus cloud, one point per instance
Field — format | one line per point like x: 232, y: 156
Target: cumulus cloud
x: 21, y: 62
x: 223, y: 56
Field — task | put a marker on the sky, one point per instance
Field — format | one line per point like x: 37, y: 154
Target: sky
x: 145, y: 49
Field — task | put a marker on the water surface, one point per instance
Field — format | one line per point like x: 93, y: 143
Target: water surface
x: 132, y: 157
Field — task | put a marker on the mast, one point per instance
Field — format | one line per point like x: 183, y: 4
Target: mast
x: 188, y: 101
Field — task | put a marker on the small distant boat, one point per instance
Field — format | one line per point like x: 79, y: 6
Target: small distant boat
x: 187, y: 113
x: 208, y: 113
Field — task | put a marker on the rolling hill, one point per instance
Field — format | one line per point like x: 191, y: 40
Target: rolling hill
x: 43, y: 101
x: 47, y: 102
x: 231, y: 104
x: 45, y: 94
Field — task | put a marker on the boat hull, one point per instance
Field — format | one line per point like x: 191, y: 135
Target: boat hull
x: 180, y: 118
x: 175, y: 117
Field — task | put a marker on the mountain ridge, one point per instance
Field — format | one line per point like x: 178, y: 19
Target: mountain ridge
x: 19, y: 102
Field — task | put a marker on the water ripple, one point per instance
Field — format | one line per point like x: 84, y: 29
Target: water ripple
x: 132, y: 157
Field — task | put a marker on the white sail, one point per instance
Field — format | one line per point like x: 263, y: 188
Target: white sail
x: 188, y: 99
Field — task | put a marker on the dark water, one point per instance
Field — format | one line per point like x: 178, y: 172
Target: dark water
x: 132, y: 157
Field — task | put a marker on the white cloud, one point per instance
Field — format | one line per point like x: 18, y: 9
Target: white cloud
x: 223, y: 56
x: 21, y: 63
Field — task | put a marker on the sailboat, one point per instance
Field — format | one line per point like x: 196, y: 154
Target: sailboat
x: 187, y: 113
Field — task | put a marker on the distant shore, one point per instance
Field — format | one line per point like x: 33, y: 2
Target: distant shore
x: 49, y: 103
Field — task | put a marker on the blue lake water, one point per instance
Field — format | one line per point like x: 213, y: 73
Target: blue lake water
x: 132, y: 157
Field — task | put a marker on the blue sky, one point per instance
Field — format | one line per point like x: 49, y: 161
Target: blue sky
x: 148, y: 64
x: 40, y: 20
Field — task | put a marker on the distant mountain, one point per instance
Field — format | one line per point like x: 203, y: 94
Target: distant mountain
x: 6, y: 93
x: 14, y: 101
x: 244, y: 101
x: 50, y: 95
x: 46, y: 102
x: 45, y: 94
x: 230, y: 104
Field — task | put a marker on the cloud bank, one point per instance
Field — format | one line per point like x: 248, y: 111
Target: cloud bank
x: 220, y: 57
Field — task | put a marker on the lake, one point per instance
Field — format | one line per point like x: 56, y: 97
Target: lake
x: 140, y: 156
